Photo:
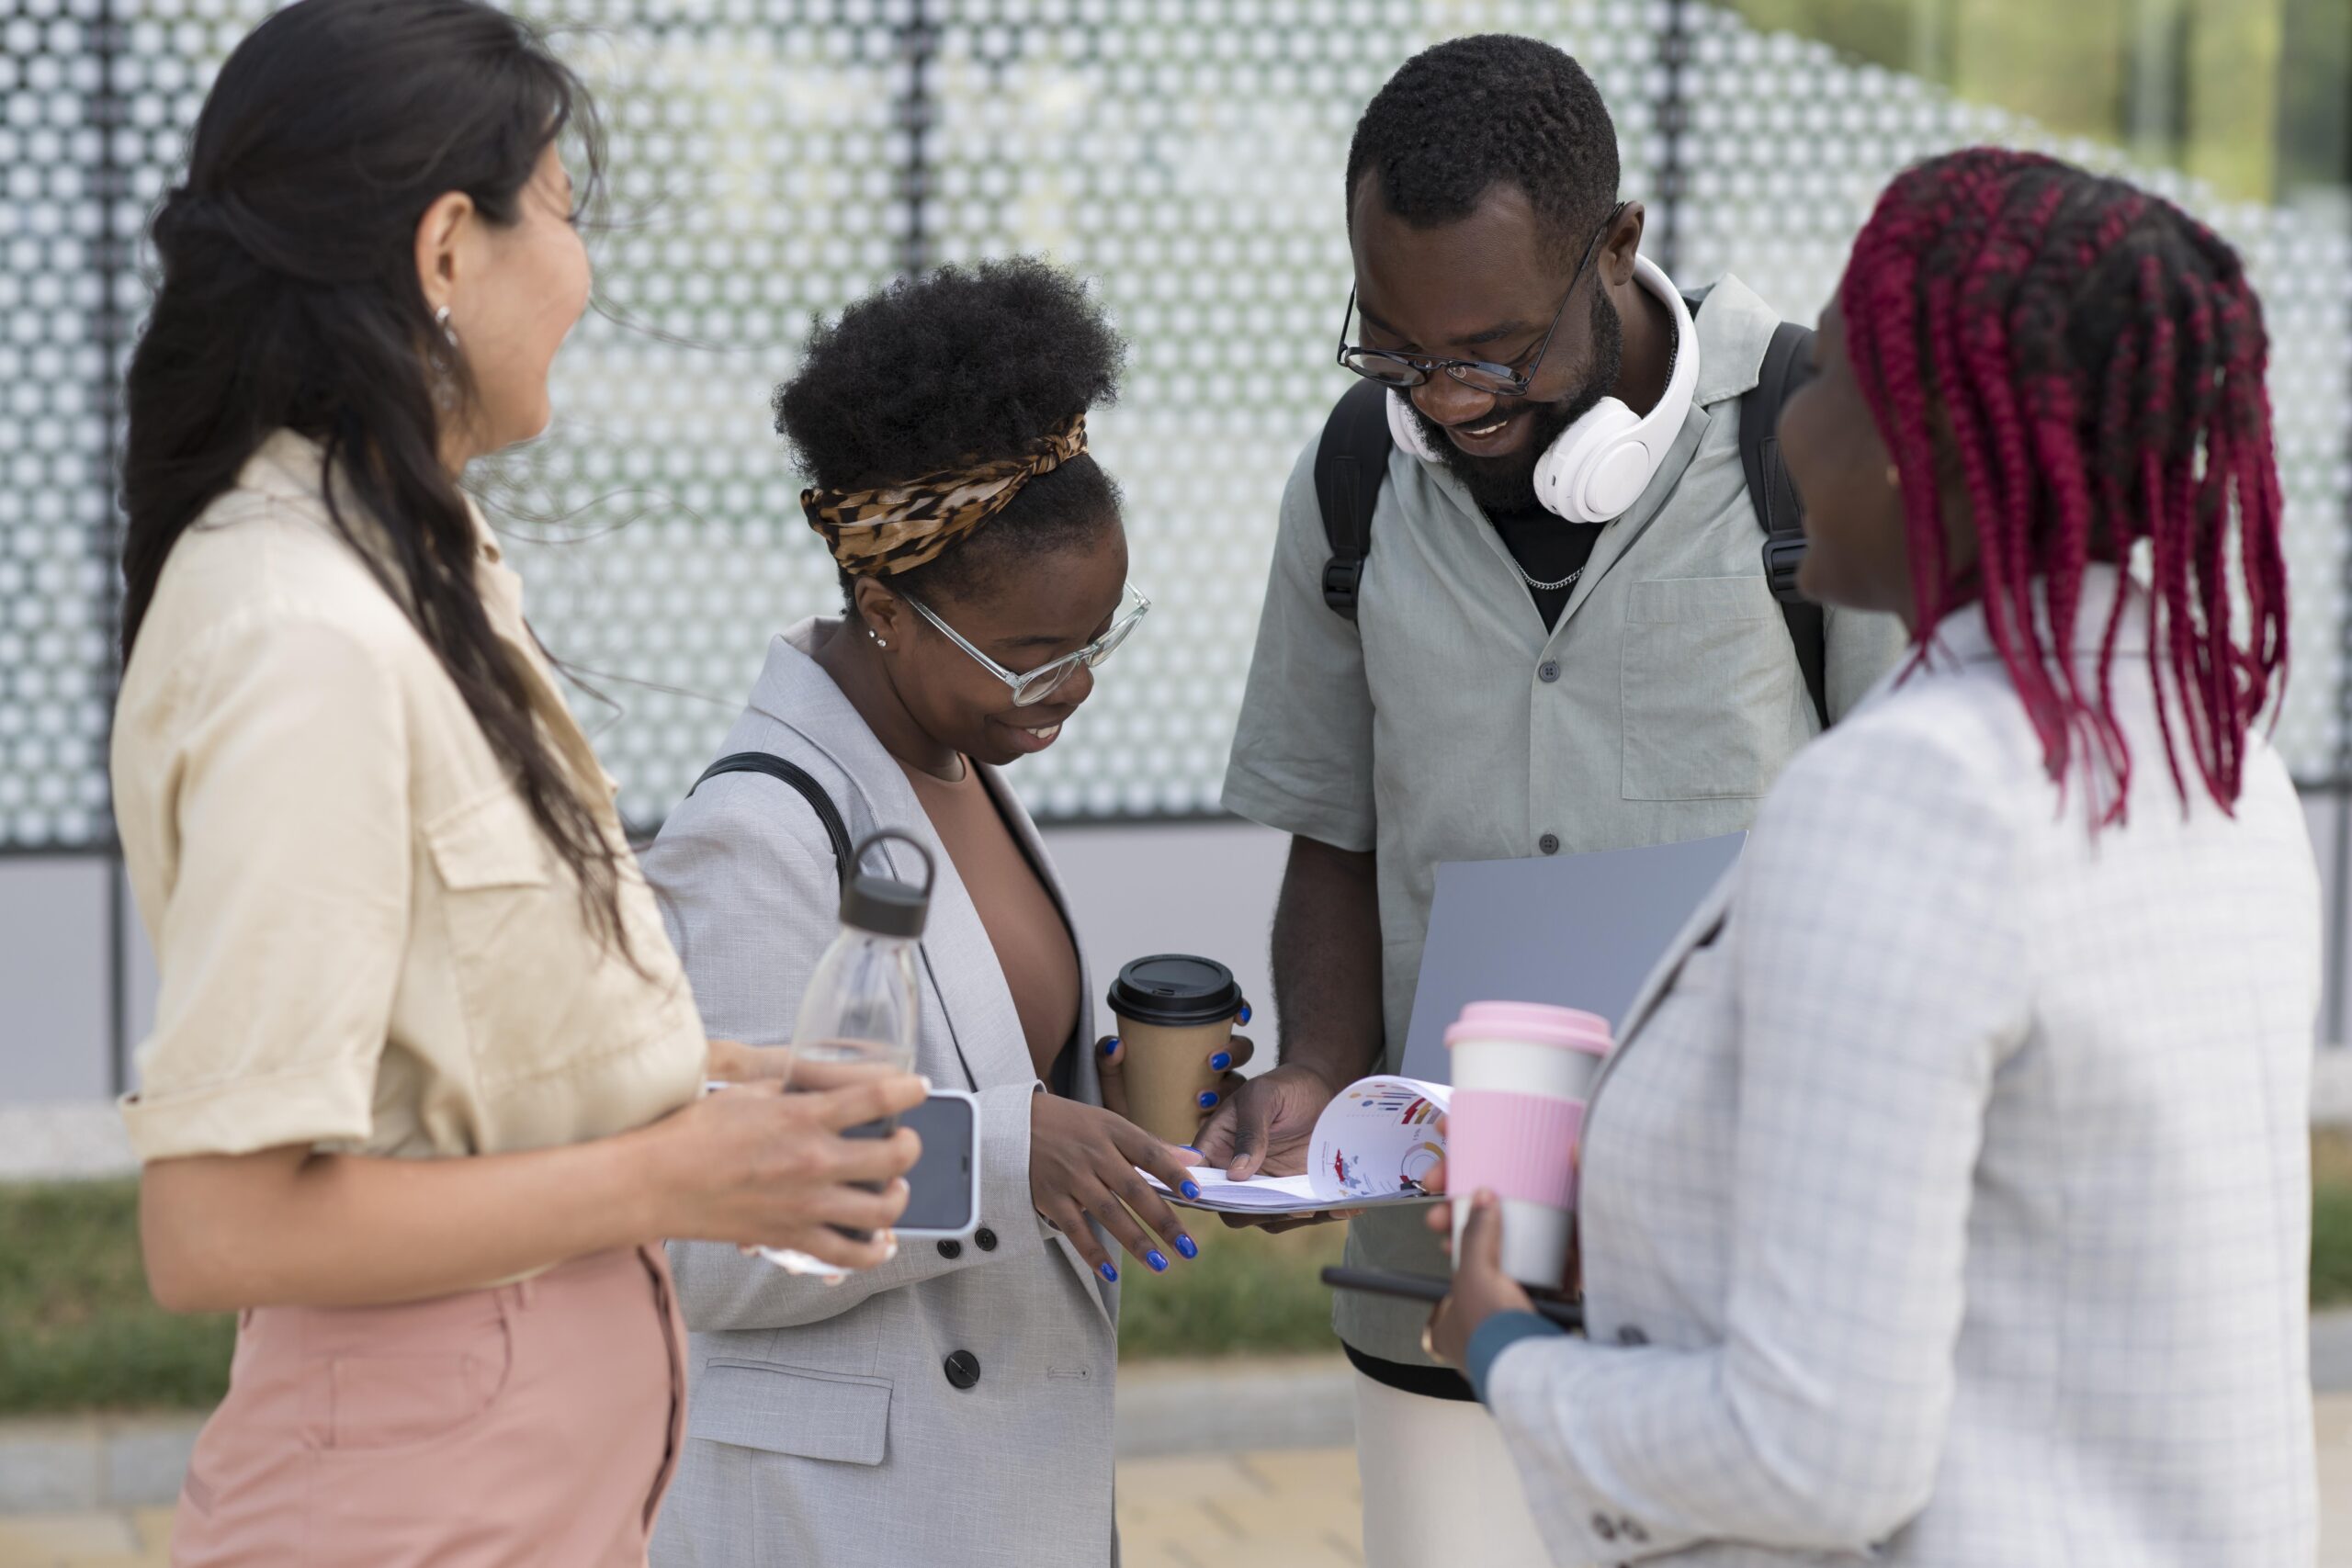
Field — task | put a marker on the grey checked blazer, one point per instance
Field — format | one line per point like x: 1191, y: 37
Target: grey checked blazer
x: 1946, y: 1202
x: 822, y: 1429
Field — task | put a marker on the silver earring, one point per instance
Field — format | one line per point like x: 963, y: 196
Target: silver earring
x: 445, y: 374
x: 878, y: 637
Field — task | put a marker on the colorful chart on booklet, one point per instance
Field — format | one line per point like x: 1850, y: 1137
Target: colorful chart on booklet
x: 1373, y: 1146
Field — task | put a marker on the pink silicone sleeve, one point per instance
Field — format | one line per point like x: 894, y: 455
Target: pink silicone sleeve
x: 1520, y: 1145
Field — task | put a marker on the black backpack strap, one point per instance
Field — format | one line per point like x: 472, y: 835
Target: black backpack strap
x: 1350, y: 466
x: 1788, y: 365
x: 799, y: 778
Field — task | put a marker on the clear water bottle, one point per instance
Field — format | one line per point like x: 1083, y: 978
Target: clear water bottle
x: 860, y: 1016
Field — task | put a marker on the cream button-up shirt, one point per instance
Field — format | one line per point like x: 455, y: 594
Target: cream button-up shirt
x: 365, y: 942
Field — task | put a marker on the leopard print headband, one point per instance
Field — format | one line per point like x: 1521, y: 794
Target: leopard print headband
x: 880, y: 533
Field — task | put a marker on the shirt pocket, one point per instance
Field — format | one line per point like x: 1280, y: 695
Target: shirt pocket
x: 1710, y: 681
x: 519, y: 946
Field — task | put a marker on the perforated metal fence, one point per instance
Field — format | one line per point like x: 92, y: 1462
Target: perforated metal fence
x: 776, y: 158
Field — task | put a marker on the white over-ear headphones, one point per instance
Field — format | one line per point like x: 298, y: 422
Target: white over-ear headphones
x: 1600, y: 465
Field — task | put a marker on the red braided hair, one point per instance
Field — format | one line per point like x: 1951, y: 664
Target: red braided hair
x: 2098, y: 360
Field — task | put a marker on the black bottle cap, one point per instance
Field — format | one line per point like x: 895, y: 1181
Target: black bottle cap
x: 881, y: 904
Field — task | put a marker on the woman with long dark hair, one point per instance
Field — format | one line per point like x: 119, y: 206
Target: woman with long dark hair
x: 1946, y: 1201
x: 423, y: 1093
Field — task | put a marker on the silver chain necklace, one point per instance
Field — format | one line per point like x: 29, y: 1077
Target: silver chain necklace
x: 1543, y: 587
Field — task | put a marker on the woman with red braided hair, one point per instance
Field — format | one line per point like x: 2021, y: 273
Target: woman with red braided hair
x: 1946, y: 1198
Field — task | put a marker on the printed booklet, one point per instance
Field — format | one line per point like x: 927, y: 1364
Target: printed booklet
x: 1371, y: 1146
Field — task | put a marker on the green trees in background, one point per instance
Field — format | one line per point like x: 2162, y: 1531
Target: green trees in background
x: 2248, y: 96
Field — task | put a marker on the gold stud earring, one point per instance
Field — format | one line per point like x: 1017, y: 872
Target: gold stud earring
x: 1893, y: 477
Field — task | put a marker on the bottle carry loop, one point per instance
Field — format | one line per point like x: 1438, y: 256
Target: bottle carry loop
x: 929, y: 868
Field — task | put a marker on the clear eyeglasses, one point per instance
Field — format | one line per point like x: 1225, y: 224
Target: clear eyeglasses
x: 1042, y: 682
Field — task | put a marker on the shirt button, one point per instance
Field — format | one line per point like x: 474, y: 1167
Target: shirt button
x: 1632, y: 1531
x: 1549, y: 844
x: 985, y: 1239
x: 951, y: 1249
x: 1631, y: 1335
x: 963, y: 1369
x: 1549, y: 671
x: 1604, y: 1526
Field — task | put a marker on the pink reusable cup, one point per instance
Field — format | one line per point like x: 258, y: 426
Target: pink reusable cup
x: 1522, y: 1073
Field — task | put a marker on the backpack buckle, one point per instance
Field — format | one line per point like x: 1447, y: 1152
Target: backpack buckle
x: 1783, y: 554
x: 1341, y: 579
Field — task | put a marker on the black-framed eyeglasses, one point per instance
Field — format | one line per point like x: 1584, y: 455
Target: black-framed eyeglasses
x: 1394, y: 367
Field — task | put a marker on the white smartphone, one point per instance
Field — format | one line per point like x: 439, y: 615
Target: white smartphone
x: 944, y: 1197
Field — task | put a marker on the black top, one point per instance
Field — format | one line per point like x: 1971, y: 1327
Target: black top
x: 1547, y: 548
x: 1429, y: 1383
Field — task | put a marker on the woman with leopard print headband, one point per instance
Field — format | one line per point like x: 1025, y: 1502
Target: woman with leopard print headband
x: 942, y: 424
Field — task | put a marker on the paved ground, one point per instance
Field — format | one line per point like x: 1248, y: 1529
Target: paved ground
x: 1288, y: 1508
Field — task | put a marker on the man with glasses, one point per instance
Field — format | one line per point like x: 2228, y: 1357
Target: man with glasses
x: 1561, y: 639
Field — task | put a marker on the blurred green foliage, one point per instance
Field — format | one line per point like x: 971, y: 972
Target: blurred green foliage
x: 2253, y: 96
x: 78, y: 1330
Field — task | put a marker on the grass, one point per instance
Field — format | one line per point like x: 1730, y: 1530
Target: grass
x: 2331, y: 1219
x: 1248, y: 1293
x: 78, y: 1330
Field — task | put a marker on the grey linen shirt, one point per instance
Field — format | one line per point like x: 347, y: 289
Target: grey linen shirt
x: 1446, y: 724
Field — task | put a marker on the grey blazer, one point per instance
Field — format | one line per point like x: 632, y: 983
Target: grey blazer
x: 822, y: 1427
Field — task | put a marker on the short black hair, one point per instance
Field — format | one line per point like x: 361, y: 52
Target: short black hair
x: 1464, y: 115
x: 961, y: 365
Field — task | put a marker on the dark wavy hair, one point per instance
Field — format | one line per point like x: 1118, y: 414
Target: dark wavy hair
x: 289, y: 299
x: 961, y: 365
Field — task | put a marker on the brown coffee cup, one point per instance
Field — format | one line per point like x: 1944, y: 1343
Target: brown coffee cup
x: 1174, y: 1012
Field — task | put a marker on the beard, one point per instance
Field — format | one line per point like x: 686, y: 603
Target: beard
x: 1508, y: 484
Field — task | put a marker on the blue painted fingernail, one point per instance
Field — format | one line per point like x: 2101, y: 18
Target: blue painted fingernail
x: 1189, y: 1189
x: 1221, y: 1061
x: 1158, y: 1259
x: 1107, y: 1272
x: 1244, y: 1015
x: 1187, y: 1246
x: 1110, y: 1045
x: 1190, y: 1150
x: 1208, y: 1098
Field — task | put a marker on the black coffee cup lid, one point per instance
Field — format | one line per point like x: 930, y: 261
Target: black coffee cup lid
x: 1175, y: 990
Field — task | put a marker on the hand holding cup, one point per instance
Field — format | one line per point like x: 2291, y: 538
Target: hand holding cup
x: 1522, y: 1073
x: 1175, y: 1052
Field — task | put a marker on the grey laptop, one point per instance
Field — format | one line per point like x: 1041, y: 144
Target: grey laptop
x: 1575, y: 931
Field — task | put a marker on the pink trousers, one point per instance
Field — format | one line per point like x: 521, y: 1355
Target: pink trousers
x: 533, y: 1424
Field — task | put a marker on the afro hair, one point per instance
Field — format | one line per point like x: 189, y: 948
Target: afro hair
x: 961, y: 365
x: 1462, y: 117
